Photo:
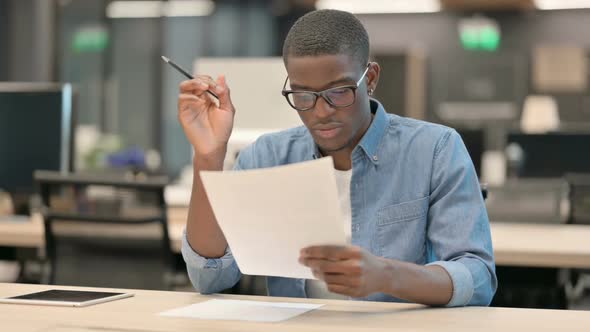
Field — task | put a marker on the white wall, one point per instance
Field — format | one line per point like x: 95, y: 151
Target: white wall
x: 255, y: 85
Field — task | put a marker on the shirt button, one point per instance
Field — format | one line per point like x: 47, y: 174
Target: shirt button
x: 375, y: 158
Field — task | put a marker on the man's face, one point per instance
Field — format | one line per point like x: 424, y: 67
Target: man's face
x: 332, y: 128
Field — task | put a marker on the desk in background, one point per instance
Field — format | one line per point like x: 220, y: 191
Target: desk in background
x: 20, y: 233
x: 541, y: 245
x: 527, y: 245
x: 23, y: 234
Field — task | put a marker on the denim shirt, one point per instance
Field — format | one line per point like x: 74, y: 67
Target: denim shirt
x: 415, y: 197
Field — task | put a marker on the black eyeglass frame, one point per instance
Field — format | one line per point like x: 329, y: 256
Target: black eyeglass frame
x: 324, y: 93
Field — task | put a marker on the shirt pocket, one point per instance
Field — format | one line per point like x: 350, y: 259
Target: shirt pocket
x: 401, y: 231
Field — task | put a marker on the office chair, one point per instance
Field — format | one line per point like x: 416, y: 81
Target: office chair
x: 106, y: 231
x: 579, y: 197
x: 529, y: 287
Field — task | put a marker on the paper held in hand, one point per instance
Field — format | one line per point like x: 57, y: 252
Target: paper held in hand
x: 269, y: 215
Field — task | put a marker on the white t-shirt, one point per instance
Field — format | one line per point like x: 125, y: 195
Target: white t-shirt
x: 343, y: 183
x: 317, y: 288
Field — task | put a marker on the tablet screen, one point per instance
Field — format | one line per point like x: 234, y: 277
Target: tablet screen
x: 65, y: 296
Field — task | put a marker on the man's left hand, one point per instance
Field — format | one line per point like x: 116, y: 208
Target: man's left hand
x: 346, y: 270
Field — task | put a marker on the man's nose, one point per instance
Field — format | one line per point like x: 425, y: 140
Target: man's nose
x: 323, y: 109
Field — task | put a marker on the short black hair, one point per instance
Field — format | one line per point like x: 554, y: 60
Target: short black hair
x: 327, y: 32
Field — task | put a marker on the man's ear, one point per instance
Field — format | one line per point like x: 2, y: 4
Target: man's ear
x: 373, y: 76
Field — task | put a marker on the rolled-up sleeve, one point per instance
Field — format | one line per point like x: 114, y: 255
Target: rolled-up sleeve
x: 459, y: 231
x: 210, y: 275
x: 213, y: 275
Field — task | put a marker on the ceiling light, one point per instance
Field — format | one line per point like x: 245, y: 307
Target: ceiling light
x: 381, y: 6
x: 562, y: 4
x: 188, y: 8
x: 151, y: 9
x: 134, y: 9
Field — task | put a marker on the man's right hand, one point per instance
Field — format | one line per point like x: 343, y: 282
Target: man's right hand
x: 206, y: 122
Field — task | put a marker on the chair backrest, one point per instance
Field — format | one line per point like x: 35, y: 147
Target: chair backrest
x: 105, y: 230
x: 528, y: 201
x: 579, y: 195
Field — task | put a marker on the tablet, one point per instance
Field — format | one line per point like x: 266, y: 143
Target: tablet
x: 68, y: 298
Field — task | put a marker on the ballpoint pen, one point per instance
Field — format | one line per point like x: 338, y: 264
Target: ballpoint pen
x: 182, y: 71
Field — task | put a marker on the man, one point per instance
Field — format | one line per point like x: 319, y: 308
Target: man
x: 412, y: 201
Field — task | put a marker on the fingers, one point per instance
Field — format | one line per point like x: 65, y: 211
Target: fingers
x: 198, y: 85
x: 201, y: 86
x: 332, y: 252
x: 186, y: 100
x: 185, y: 97
x: 198, y: 79
x: 344, y: 290
x: 222, y: 91
x: 341, y: 279
x: 348, y: 267
x: 341, y: 284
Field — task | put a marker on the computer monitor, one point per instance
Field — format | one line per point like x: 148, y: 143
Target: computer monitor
x: 552, y: 155
x: 474, y: 141
x: 36, y: 125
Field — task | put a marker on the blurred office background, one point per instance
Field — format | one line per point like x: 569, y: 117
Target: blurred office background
x: 512, y: 76
x: 469, y: 64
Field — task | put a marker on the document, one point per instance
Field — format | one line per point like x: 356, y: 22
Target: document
x: 254, y: 311
x: 269, y: 215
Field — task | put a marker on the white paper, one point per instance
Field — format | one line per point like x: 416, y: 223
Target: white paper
x: 255, y: 311
x: 269, y: 215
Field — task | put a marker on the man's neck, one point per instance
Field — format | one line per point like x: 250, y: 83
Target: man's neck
x: 342, y: 159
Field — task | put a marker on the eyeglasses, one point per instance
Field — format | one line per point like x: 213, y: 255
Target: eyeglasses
x: 341, y: 96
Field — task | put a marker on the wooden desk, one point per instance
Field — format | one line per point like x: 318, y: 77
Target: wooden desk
x: 140, y: 313
x: 541, y: 245
x: 22, y: 234
x: 532, y: 245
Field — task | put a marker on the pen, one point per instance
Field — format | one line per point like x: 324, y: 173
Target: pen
x: 182, y: 71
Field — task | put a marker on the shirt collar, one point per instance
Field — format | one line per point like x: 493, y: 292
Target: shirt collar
x: 371, y: 141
